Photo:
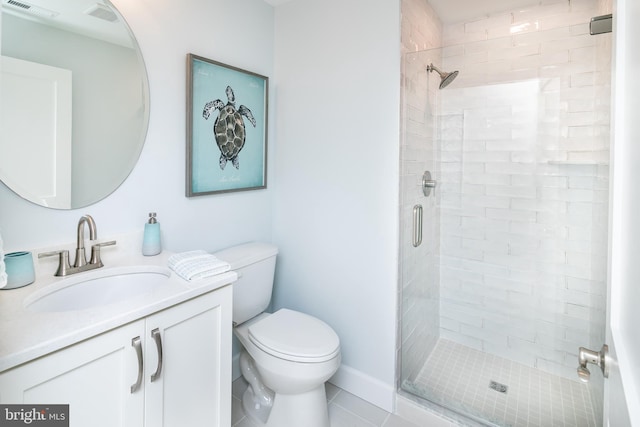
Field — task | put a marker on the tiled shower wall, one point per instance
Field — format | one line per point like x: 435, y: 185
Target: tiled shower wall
x: 524, y: 152
x: 419, y: 272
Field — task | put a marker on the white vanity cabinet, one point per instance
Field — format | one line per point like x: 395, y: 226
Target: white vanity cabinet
x: 190, y: 387
x: 92, y: 376
x: 194, y: 385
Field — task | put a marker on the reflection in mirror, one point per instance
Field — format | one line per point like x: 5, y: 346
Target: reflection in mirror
x: 74, y: 104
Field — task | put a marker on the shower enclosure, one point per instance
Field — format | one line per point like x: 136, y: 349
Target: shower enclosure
x: 508, y: 276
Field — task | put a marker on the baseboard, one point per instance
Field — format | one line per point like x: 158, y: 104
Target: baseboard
x: 351, y: 380
x: 419, y: 414
x: 365, y: 387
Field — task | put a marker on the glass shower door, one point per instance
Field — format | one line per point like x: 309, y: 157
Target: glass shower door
x: 516, y: 273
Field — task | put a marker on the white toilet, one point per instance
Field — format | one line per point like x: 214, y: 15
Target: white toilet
x: 287, y: 356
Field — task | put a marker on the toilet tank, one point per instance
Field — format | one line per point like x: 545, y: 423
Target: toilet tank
x: 255, y: 264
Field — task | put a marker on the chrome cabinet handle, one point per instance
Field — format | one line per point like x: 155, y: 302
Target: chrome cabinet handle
x: 137, y: 344
x: 155, y: 334
x: 417, y: 225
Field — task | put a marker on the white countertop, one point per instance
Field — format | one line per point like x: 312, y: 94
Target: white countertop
x: 26, y: 335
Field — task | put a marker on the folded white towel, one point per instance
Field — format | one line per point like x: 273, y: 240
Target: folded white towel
x: 199, y: 264
x: 3, y: 273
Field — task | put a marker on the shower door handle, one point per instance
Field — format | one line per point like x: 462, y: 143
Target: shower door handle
x: 598, y: 358
x: 417, y: 225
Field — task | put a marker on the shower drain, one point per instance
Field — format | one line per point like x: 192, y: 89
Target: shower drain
x: 500, y: 388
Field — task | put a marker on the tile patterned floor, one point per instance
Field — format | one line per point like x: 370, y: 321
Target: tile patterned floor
x: 458, y: 377
x: 345, y: 410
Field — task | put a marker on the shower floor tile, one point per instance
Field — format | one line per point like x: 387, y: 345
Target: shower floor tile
x: 460, y: 378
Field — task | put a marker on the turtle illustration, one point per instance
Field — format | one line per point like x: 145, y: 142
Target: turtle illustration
x: 228, y: 128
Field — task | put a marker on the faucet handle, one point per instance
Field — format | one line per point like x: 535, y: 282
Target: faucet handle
x: 95, y: 252
x: 63, y: 261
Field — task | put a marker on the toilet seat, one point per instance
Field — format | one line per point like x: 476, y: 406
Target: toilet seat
x: 295, y: 336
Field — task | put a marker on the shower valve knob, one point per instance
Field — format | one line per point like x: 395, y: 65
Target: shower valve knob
x: 428, y: 184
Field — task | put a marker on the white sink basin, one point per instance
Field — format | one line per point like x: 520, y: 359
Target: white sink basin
x: 97, y: 288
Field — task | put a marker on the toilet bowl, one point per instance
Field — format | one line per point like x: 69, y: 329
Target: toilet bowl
x: 287, y: 356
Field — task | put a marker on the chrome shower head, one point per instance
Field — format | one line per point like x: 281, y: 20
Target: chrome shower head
x: 445, y: 78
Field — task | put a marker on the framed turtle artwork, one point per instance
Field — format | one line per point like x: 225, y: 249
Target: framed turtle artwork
x: 226, y: 128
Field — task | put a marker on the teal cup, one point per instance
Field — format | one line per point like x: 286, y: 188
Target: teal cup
x: 19, y: 269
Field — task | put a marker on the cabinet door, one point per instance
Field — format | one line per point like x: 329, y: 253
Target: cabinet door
x: 193, y: 387
x: 94, y: 377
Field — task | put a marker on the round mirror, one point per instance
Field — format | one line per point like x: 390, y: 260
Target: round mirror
x: 74, y: 101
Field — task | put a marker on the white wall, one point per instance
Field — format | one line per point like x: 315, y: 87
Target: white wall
x: 236, y: 32
x: 336, y: 206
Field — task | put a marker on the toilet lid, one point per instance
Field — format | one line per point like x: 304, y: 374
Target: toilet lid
x: 295, y: 336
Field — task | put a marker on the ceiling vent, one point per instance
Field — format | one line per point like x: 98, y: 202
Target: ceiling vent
x: 22, y: 6
x: 101, y: 11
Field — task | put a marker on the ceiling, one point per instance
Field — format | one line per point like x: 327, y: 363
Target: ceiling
x: 77, y: 16
x: 72, y: 13
x: 451, y: 11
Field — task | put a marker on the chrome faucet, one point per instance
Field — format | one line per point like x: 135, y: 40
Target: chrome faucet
x: 81, y: 256
x: 80, y: 264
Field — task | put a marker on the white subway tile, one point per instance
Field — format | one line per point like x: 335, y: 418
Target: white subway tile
x: 564, y: 219
x: 449, y: 324
x: 585, y: 55
x: 509, y: 144
x: 566, y: 194
x: 511, y: 215
x: 510, y: 284
x: 539, y: 205
x: 455, y: 50
x: 523, y: 263
x: 501, y: 20
x: 462, y: 339
x: 581, y: 298
x: 579, y: 259
x: 592, y: 287
x: 486, y: 178
x: 485, y: 201
x: 522, y: 25
x: 560, y: 57
x: 484, y: 268
x: 547, y: 256
x: 510, y: 168
x: 455, y: 34
x: 539, y: 230
x: 511, y: 191
x: 583, y: 118
x: 461, y: 313
x: 486, y: 245
x: 577, y: 311
x: 583, y: 79
x: 567, y: 43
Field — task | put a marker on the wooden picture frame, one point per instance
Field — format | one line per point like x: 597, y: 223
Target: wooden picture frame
x: 227, y: 112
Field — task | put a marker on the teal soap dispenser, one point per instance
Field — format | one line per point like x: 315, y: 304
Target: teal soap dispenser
x: 151, y: 244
